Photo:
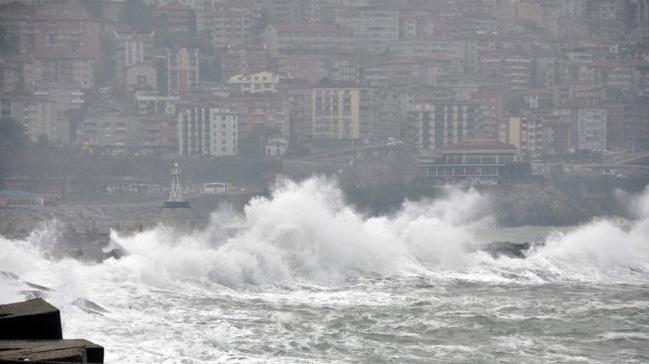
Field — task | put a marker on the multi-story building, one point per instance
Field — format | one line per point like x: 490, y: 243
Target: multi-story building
x: 64, y: 27
x: 230, y: 23
x: 242, y: 60
x: 415, y: 25
x: 131, y: 48
x: 636, y: 14
x: 175, y: 18
x: 339, y: 112
x: 182, y: 69
x: 398, y: 72
x: 65, y: 98
x: 16, y: 74
x: 373, y: 28
x: 35, y: 113
x: 434, y: 125
x: 156, y: 104
x: 591, y: 128
x: 518, y: 72
x: 206, y: 130
x: 107, y: 130
x: 157, y: 134
x: 63, y: 67
x: 526, y: 134
x: 17, y: 20
x: 260, y: 82
x: 637, y: 123
x: 320, y: 36
x: 284, y: 11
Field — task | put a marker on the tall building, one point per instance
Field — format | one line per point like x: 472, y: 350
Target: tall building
x: 339, y: 112
x: 182, y: 69
x: 230, y: 23
x: 206, y: 130
x: 438, y: 124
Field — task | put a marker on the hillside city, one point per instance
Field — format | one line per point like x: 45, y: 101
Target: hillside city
x: 430, y: 92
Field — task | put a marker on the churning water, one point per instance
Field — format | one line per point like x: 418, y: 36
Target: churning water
x: 302, y: 277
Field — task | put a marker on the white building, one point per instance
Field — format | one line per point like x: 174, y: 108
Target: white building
x: 207, y: 131
x: 591, y: 128
x: 434, y: 125
x: 260, y: 82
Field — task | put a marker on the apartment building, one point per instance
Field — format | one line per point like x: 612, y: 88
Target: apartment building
x: 433, y: 125
x: 209, y: 131
x: 339, y: 112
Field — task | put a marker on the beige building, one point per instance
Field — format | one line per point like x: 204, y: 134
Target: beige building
x: 335, y: 112
x: 260, y: 82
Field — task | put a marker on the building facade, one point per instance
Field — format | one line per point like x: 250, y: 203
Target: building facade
x: 207, y: 131
x: 436, y: 125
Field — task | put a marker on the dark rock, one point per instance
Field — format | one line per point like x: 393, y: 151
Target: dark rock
x: 508, y: 249
x: 89, y: 306
x: 30, y: 320
x: 50, y: 351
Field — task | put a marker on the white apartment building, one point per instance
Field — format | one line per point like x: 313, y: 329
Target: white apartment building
x: 256, y: 83
x: 208, y: 131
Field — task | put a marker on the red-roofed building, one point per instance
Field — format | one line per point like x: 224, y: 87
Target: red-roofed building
x: 473, y: 162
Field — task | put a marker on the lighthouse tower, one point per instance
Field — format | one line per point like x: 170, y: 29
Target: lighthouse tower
x: 176, y: 200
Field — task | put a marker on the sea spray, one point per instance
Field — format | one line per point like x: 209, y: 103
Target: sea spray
x: 318, y: 280
x: 305, y: 233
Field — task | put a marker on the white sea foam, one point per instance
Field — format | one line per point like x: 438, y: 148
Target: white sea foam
x: 307, y: 239
x: 306, y: 234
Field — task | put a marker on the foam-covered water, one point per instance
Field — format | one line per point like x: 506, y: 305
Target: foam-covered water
x: 302, y: 277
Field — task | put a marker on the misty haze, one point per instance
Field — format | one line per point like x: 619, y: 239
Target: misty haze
x: 324, y: 181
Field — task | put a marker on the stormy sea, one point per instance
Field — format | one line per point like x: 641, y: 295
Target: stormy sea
x: 302, y: 277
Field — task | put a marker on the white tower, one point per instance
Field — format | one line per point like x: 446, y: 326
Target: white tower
x: 176, y: 199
